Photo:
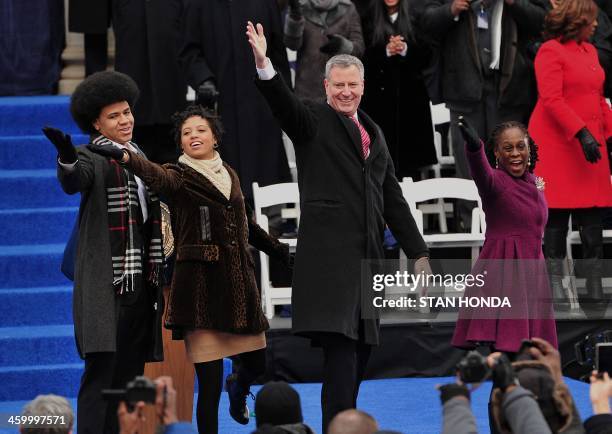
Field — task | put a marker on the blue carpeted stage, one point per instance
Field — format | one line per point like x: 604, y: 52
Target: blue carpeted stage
x: 37, y: 351
x: 408, y: 405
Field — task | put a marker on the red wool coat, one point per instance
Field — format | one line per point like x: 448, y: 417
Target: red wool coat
x: 570, y: 97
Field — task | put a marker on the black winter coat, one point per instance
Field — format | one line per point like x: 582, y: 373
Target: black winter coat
x: 86, y: 16
x: 147, y: 42
x: 461, y: 70
x: 345, y: 203
x: 397, y: 100
x: 214, y: 47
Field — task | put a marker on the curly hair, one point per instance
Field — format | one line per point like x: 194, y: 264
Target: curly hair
x: 494, y: 141
x: 214, y: 121
x: 98, y: 91
x: 568, y: 19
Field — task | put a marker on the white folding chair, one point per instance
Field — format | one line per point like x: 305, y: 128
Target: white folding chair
x: 447, y: 188
x: 439, y: 115
x: 263, y: 197
x: 573, y: 238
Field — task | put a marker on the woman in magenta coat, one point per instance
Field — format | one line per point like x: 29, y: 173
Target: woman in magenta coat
x: 511, y: 260
x: 570, y: 123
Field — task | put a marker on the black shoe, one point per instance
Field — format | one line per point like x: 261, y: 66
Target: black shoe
x: 237, y: 398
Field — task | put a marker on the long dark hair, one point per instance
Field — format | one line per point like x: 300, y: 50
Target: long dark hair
x: 380, y: 27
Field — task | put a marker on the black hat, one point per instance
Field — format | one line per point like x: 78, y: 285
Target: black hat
x: 98, y: 91
x: 277, y: 403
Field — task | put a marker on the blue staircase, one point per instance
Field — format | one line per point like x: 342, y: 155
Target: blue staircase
x: 37, y: 350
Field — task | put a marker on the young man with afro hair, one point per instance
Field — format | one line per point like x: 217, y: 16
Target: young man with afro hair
x: 117, y: 300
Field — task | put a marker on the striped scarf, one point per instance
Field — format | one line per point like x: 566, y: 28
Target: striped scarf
x: 129, y: 250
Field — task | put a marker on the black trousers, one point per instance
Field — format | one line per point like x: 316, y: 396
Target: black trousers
x: 113, y: 370
x: 96, y: 52
x: 344, y: 366
x: 558, y: 218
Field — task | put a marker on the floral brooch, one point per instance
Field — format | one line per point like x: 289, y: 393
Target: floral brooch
x: 539, y: 183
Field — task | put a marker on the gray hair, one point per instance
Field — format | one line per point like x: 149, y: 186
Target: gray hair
x: 57, y: 407
x: 343, y: 61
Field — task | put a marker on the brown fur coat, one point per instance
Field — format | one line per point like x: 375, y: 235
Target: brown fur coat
x: 213, y: 286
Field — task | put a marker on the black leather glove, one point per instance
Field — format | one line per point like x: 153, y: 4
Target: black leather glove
x: 207, y: 94
x: 469, y: 134
x: 590, y: 147
x: 295, y: 9
x: 333, y: 44
x: 449, y: 391
x: 503, y: 373
x: 109, y: 151
x: 63, y: 143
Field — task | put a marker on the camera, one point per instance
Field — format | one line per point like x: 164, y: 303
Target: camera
x: 586, y: 349
x: 139, y: 389
x: 473, y: 368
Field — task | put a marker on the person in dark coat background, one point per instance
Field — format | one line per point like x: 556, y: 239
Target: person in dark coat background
x: 147, y: 35
x: 117, y: 300
x: 397, y: 96
x: 92, y: 18
x: 215, y: 58
x: 318, y: 30
x: 348, y: 192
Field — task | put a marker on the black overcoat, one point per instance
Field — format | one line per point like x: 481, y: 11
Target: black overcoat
x: 95, y: 305
x: 146, y: 48
x: 460, y: 65
x: 214, y: 47
x: 397, y: 99
x: 87, y: 16
x: 345, y: 203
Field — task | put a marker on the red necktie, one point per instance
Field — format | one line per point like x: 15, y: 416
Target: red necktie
x: 365, y: 138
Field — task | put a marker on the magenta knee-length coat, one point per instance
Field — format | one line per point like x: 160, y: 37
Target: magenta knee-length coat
x: 516, y: 213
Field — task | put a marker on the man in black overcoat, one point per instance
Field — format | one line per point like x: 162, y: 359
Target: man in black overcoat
x: 215, y: 58
x: 348, y: 193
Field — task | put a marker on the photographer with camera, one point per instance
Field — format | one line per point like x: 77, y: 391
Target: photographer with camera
x: 519, y: 411
x: 143, y: 391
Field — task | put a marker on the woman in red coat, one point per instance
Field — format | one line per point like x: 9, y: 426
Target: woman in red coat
x: 570, y: 123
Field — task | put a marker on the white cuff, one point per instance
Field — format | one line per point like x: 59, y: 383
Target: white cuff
x: 404, y: 51
x: 268, y: 72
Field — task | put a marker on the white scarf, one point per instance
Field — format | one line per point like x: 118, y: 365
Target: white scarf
x: 496, y: 23
x: 213, y: 170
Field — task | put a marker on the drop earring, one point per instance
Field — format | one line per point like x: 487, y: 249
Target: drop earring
x: 497, y: 163
x: 215, y: 146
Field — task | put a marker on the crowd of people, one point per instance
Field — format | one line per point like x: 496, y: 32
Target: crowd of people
x: 519, y: 72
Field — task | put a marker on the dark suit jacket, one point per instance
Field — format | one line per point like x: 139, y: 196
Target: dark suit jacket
x: 461, y: 71
x: 345, y: 204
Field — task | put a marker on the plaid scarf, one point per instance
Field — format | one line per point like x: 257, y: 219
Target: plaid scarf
x: 129, y: 250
